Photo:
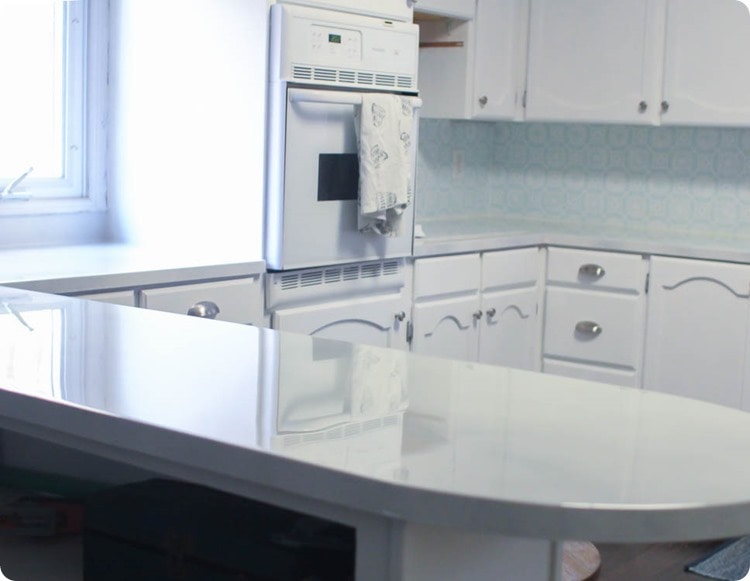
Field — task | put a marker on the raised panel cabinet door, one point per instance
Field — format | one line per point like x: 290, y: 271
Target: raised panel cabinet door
x: 371, y: 321
x: 697, y: 327
x: 447, y: 328
x: 593, y: 60
x: 706, y: 65
x: 509, y: 334
x: 500, y: 42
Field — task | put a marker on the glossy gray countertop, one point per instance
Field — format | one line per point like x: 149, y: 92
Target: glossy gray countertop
x: 484, y: 233
x: 96, y: 267
x: 421, y: 439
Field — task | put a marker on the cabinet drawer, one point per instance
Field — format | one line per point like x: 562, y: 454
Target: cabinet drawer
x: 510, y: 268
x: 623, y: 377
x: 605, y: 270
x: 615, y: 341
x: 446, y: 275
x: 126, y: 298
x: 239, y: 301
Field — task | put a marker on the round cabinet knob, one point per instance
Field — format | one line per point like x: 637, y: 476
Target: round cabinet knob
x: 589, y: 329
x: 491, y: 312
x: 483, y: 100
x: 664, y: 106
x: 204, y: 309
x: 591, y: 271
x: 478, y: 314
x: 401, y: 317
x: 642, y: 106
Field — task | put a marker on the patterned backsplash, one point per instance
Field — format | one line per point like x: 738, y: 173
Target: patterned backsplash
x: 658, y: 178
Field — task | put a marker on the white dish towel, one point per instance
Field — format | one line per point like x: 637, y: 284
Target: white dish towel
x: 384, y: 133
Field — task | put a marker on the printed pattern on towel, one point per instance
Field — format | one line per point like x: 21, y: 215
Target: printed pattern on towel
x: 384, y: 134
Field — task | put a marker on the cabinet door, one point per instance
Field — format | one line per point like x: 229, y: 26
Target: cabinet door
x: 447, y: 328
x: 593, y: 60
x: 239, y: 301
x: 373, y: 321
x: 509, y: 331
x: 500, y: 42
x: 706, y: 66
x: 696, y: 339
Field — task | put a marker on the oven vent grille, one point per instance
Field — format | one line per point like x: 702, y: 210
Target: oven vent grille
x: 365, y: 78
x: 385, y: 80
x: 335, y: 282
x: 302, y: 73
x: 318, y: 277
x: 325, y: 74
x: 352, y: 77
x: 405, y: 82
x: 348, y: 77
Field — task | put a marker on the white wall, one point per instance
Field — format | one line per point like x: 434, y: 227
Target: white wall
x: 187, y: 88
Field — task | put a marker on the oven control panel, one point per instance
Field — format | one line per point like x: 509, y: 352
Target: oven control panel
x: 339, y: 49
x: 336, y: 42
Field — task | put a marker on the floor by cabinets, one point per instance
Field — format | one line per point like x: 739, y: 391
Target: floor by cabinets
x: 697, y: 332
x: 479, y: 307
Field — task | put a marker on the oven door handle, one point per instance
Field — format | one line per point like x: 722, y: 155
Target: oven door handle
x: 335, y: 97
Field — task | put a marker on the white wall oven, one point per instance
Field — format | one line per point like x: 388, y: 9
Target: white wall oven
x: 321, y: 65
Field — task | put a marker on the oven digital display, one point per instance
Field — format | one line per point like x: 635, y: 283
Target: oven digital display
x: 338, y: 176
x: 334, y: 38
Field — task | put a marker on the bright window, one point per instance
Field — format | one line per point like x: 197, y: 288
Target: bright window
x: 52, y: 105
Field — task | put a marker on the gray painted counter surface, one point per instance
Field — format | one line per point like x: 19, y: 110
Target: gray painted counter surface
x: 381, y: 432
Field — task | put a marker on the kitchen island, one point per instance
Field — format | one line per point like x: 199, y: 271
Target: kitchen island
x: 445, y: 469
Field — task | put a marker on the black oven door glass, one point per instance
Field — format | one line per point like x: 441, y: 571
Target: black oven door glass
x: 338, y: 176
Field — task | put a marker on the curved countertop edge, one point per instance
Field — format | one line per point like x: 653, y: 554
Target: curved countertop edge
x: 104, y: 267
x: 235, y: 469
x: 681, y: 245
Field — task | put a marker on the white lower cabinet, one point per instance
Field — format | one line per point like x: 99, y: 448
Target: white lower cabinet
x: 447, y: 328
x: 238, y: 300
x: 378, y: 321
x: 126, y: 297
x: 510, y: 329
x: 446, y: 309
x: 697, y: 333
x: 595, y: 315
x: 479, y: 308
x: 361, y: 302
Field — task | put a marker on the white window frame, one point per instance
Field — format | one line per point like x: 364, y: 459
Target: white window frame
x: 83, y: 186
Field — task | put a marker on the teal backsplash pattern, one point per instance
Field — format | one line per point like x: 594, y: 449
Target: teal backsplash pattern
x: 658, y: 178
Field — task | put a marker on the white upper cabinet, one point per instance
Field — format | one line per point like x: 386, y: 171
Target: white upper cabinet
x: 474, y: 67
x: 463, y: 9
x: 593, y: 60
x: 707, y: 64
x: 500, y: 41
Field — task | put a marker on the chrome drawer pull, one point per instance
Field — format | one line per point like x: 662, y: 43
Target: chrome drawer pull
x: 591, y: 270
x: 588, y: 328
x: 205, y: 309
